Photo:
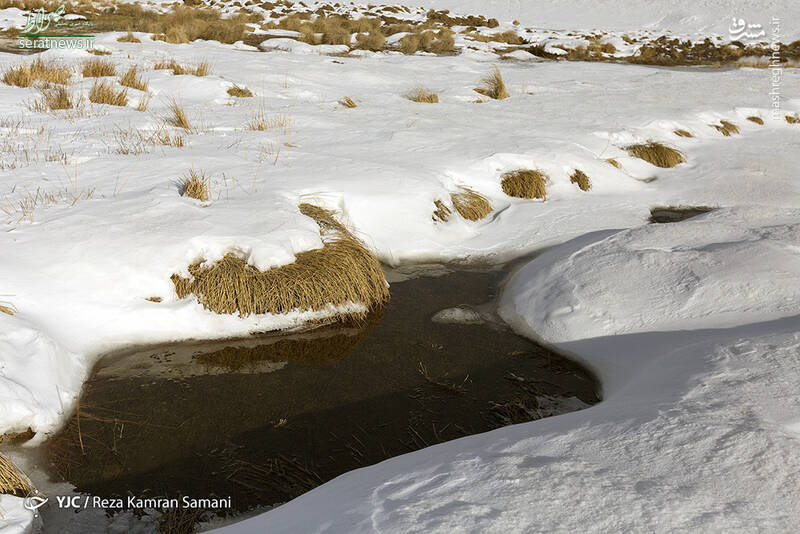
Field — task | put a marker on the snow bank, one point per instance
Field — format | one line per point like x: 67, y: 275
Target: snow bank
x: 698, y: 427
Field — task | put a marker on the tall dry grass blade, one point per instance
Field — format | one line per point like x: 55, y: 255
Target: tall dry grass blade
x: 178, y: 116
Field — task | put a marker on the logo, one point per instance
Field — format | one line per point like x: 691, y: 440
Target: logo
x: 741, y: 31
x: 39, y: 21
x: 33, y: 501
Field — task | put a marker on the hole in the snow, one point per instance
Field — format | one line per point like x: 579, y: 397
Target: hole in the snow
x: 670, y: 214
x: 266, y: 419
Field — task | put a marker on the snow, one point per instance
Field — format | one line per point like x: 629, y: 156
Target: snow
x: 689, y: 326
x: 697, y: 430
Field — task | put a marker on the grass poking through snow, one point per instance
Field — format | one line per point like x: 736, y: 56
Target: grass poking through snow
x: 757, y: 120
x: 656, y: 154
x: 128, y: 38
x: 347, y: 102
x: 239, y: 91
x: 37, y: 71
x: 95, y: 68
x: 421, y: 94
x: 683, y: 133
x: 442, y: 212
x: 132, y: 79
x: 177, y: 116
x: 525, y: 183
x: 579, y: 177
x: 470, y: 204
x: 342, y: 272
x: 726, y: 128
x: 104, y: 93
x: 195, y: 185
x: 493, y: 85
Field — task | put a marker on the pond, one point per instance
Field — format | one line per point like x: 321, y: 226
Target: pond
x: 257, y: 422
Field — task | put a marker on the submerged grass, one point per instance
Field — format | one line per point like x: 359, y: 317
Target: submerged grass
x: 470, y: 204
x: 342, y: 272
x: 656, y: 154
x: 525, y: 183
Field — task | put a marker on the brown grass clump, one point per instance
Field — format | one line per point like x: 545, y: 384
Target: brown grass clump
x: 178, y: 116
x: 493, y: 85
x: 38, y: 70
x: 53, y: 98
x: 525, y: 183
x: 196, y: 185
x: 470, y: 204
x: 202, y: 69
x: 375, y: 40
x: 726, y: 128
x: 343, y: 271
x: 128, y: 38
x: 96, y: 52
x: 614, y: 162
x: 442, y: 212
x: 757, y: 120
x: 348, y: 102
x: 420, y: 94
x: 239, y: 91
x: 656, y: 154
x: 579, y: 177
x: 133, y: 80
x: 95, y: 68
x: 104, y: 93
x: 793, y: 119
x: 12, y: 480
x: 682, y: 133
x: 8, y: 308
x: 261, y: 122
x: 143, y: 104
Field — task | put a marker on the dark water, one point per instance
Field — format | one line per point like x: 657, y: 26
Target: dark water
x: 266, y: 419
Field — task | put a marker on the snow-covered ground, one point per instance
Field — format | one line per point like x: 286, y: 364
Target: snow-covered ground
x: 690, y: 326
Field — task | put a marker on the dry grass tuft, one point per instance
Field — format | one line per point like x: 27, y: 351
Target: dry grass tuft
x: 656, y: 154
x: 470, y: 204
x: 726, y: 128
x: 579, y: 177
x: 525, y: 183
x: 196, y: 185
x: 95, y: 68
x: 133, y: 80
x: 442, y: 212
x: 202, y: 69
x: 128, y: 38
x: 793, y: 119
x: 178, y: 116
x: 375, y: 40
x: 493, y: 85
x: 343, y: 271
x: 12, y: 480
x: 757, y: 120
x: 104, y: 93
x: 96, y: 52
x: 421, y: 94
x: 682, y: 133
x: 8, y: 308
x: 37, y: 70
x: 614, y: 162
x: 347, y: 102
x: 239, y: 91
x: 143, y: 104
x: 261, y: 122
x: 53, y: 98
